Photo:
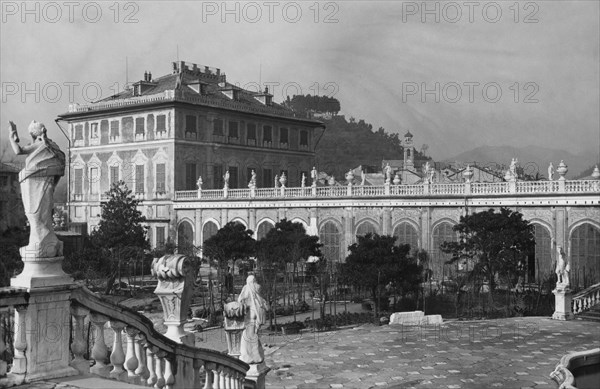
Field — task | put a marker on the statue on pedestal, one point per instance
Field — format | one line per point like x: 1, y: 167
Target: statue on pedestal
x: 388, y: 173
x: 563, y: 267
x: 199, y: 183
x: 251, y: 350
x: 363, y: 177
x: 303, y: 182
x: 550, y: 171
x: 252, y: 183
x: 44, y: 166
x: 313, y: 175
x: 226, y: 179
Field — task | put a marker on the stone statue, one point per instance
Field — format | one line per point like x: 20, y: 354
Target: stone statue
x: 313, y: 175
x: 276, y: 180
x: 44, y: 166
x: 363, y: 177
x: 251, y: 350
x: 513, y: 167
x: 426, y: 168
x: 550, y: 171
x: 199, y: 183
x: 303, y: 182
x: 226, y: 179
x: 388, y: 173
x: 252, y: 183
x: 563, y: 267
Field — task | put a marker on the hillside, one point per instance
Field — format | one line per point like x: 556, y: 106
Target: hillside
x: 349, y: 143
x: 533, y: 159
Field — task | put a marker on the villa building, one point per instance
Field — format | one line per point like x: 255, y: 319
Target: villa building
x: 163, y: 135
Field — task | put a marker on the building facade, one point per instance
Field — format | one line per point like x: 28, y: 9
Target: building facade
x: 179, y: 131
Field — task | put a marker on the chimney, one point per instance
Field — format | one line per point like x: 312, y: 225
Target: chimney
x: 150, y: 76
x: 146, y: 75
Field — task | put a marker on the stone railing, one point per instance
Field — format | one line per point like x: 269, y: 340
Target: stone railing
x: 586, y: 299
x: 563, y: 373
x: 450, y: 190
x: 140, y: 355
x: 13, y: 303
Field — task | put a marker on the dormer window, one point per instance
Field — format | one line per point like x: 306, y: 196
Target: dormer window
x: 233, y: 94
x: 265, y: 98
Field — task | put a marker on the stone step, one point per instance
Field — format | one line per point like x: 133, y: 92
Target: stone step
x: 92, y: 382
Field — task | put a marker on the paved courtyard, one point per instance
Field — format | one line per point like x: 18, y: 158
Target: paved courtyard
x: 504, y: 353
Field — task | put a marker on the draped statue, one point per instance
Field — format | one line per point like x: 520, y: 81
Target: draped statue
x: 251, y: 350
x: 44, y: 166
x: 563, y: 267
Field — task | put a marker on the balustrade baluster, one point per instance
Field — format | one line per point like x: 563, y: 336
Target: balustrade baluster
x: 160, y: 379
x: 78, y: 344
x: 131, y: 360
x: 150, y: 357
x: 221, y: 375
x: 169, y: 377
x: 99, y: 350
x: 117, y: 357
x: 142, y: 369
x: 20, y: 342
x: 197, y: 364
x: 210, y: 376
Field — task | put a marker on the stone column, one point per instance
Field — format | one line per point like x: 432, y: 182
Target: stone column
x: 175, y: 273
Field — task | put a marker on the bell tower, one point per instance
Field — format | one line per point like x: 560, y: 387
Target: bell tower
x: 409, y: 151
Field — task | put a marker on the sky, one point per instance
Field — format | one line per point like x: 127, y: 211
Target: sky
x: 456, y: 74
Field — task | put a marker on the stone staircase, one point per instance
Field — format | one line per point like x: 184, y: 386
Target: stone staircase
x: 593, y: 314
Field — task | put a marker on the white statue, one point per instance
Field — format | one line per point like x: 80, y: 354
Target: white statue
x: 426, y: 168
x: 44, y: 166
x: 363, y: 177
x: 563, y: 267
x: 550, y: 171
x: 226, y: 179
x: 430, y: 174
x: 303, y: 182
x: 251, y: 350
x: 513, y: 167
x: 313, y: 175
x: 199, y: 183
x: 276, y: 180
x: 388, y: 173
x: 252, y: 183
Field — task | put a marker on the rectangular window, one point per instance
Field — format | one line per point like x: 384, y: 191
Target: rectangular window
x: 79, y: 132
x: 114, y: 175
x: 218, y: 177
x: 94, y: 180
x: 161, y: 123
x: 218, y: 127
x: 160, y: 237
x: 3, y: 180
x: 283, y: 135
x: 268, y: 178
x: 190, y: 176
x: 139, y: 179
x: 251, y: 131
x: 160, y: 177
x: 233, y: 177
x: 139, y: 126
x: 267, y: 136
x: 94, y: 131
x: 114, y: 129
x: 303, y: 138
x: 190, y: 126
x: 78, y: 181
x: 233, y: 130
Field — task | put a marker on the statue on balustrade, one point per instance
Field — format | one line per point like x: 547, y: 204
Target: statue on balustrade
x: 550, y: 171
x: 363, y: 177
x: 313, y: 175
x: 276, y: 180
x: 44, y: 166
x: 563, y: 267
x: 388, y: 173
x: 303, y: 182
x: 199, y: 183
x: 251, y: 350
x: 252, y: 183
x: 226, y: 179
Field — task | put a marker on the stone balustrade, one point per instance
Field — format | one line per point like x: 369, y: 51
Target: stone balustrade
x: 586, y: 299
x: 139, y: 355
x: 388, y: 190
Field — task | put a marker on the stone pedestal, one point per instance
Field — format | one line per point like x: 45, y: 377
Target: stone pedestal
x: 47, y: 324
x: 233, y: 323
x: 258, y: 373
x: 562, y: 299
x: 41, y: 272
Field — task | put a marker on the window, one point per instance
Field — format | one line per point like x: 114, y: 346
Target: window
x: 233, y: 130
x: 233, y: 177
x: 251, y: 131
x: 405, y: 233
x: 160, y: 237
x: 3, y: 180
x: 209, y: 230
x: 139, y: 179
x: 283, y: 135
x: 365, y: 228
x: 267, y: 136
x: 218, y: 177
x: 303, y: 138
x: 263, y: 229
x: 114, y: 129
x: 160, y: 177
x: 442, y: 233
x: 585, y: 256
x: 218, y: 127
x: 94, y: 131
x: 539, y: 260
x: 78, y: 181
x: 267, y: 178
x: 114, y: 175
x: 190, y: 126
x: 161, y: 123
x: 190, y: 176
x: 78, y: 135
x: 330, y: 237
x: 139, y: 127
x: 94, y: 180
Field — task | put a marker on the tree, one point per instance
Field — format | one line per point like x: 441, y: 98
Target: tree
x: 120, y: 234
x: 376, y: 261
x: 284, y: 245
x: 495, y: 243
